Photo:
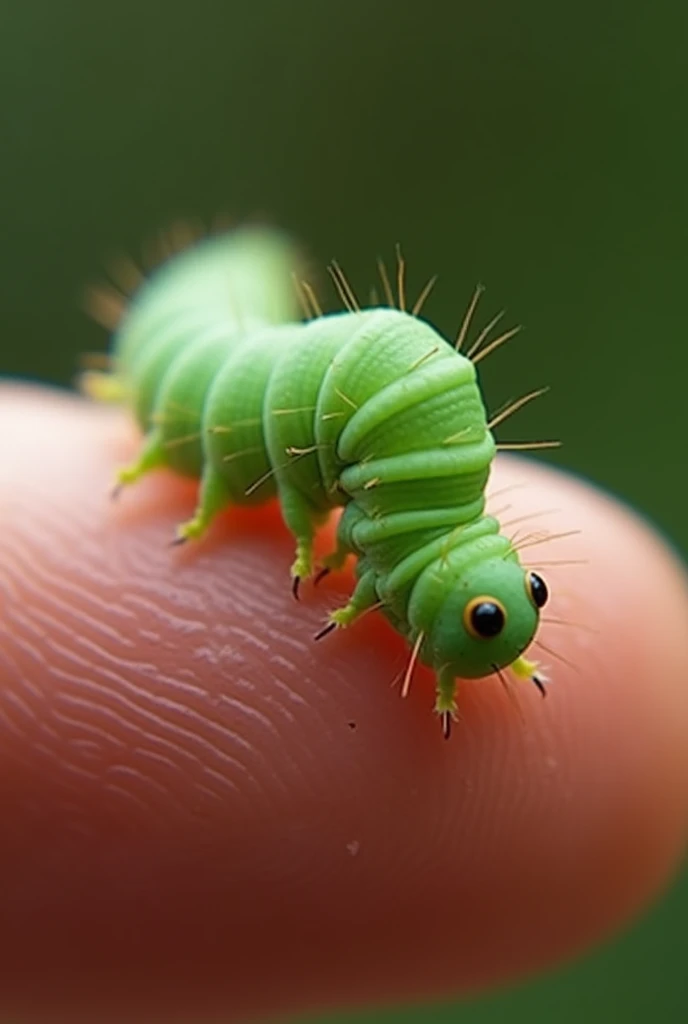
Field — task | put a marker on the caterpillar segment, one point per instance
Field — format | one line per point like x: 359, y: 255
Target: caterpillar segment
x: 370, y: 410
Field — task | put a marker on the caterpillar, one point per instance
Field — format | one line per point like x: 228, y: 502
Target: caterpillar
x: 367, y: 409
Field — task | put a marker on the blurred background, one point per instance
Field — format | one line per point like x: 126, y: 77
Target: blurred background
x: 539, y: 148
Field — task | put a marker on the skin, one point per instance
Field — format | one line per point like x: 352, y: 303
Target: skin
x: 207, y: 816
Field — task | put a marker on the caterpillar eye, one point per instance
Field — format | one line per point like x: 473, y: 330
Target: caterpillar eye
x: 537, y: 589
x: 484, y: 618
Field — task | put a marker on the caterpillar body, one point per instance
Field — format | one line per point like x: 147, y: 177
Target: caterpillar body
x: 370, y: 410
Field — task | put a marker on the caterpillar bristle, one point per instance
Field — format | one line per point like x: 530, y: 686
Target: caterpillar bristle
x: 104, y: 304
x: 505, y: 490
x: 301, y: 297
x: 422, y: 298
x: 170, y: 241
x: 343, y: 287
x: 558, y: 562
x: 95, y: 361
x: 468, y: 318
x: 295, y: 455
x: 408, y: 674
x: 519, y: 538
x: 531, y: 540
x: 527, y: 446
x: 152, y: 254
x: 499, y: 512
x: 178, y: 442
x: 549, y: 621
x: 386, y: 286
x: 526, y: 517
x: 257, y: 484
x: 293, y: 412
x: 423, y: 358
x: 124, y: 272
x: 183, y: 234
x: 475, y: 347
x: 460, y: 436
x: 557, y: 655
x: 349, y: 401
x: 221, y: 222
x: 514, y: 406
x: 312, y: 298
x: 401, y: 278
x: 165, y: 245
x: 174, y: 414
x: 497, y: 343
x: 511, y: 695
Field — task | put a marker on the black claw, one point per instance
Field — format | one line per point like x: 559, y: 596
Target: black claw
x: 321, y: 575
x: 325, y: 630
x: 446, y: 720
x: 540, y: 685
x: 178, y: 541
x: 295, y: 583
x: 116, y: 491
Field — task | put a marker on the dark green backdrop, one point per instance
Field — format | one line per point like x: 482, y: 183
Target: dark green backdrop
x: 538, y: 147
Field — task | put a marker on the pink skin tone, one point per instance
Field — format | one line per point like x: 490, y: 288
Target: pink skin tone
x: 206, y: 815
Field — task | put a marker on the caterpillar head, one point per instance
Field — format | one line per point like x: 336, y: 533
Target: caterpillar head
x: 486, y: 620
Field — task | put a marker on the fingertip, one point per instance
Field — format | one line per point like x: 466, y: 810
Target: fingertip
x: 197, y: 760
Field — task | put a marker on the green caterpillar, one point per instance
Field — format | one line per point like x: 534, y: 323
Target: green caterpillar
x: 370, y: 410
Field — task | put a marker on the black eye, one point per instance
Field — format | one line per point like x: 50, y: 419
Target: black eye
x: 484, y: 618
x: 537, y: 589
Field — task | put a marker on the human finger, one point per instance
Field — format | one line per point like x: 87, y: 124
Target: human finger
x: 204, y: 811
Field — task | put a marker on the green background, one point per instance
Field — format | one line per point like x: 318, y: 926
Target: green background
x: 540, y: 148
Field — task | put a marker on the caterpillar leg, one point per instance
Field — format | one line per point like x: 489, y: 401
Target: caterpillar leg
x: 151, y: 456
x: 525, y: 669
x: 334, y: 561
x: 102, y: 387
x: 302, y: 519
x: 214, y: 496
x: 364, y: 597
x: 344, y: 544
x: 445, y: 701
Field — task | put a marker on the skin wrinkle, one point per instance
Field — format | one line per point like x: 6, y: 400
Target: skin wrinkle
x: 476, y: 860
x: 117, y: 678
